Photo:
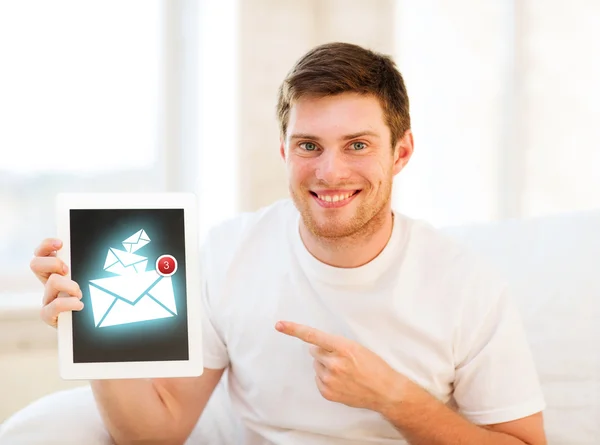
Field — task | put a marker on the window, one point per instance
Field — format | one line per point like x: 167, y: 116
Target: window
x: 110, y: 97
x: 504, y: 100
x: 80, y: 110
x: 80, y: 106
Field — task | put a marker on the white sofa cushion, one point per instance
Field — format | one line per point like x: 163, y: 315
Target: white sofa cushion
x: 553, y: 264
x: 71, y: 418
x: 67, y: 417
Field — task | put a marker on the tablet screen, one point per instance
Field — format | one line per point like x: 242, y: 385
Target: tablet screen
x: 130, y: 265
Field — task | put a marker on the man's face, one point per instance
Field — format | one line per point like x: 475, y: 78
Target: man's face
x: 340, y: 163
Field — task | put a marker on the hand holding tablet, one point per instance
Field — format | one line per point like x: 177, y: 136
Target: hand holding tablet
x: 135, y: 258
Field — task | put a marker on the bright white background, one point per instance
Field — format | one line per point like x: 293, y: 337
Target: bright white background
x: 142, y: 95
x: 111, y: 96
x: 505, y: 105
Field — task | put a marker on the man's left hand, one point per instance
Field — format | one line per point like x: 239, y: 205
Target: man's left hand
x: 347, y: 372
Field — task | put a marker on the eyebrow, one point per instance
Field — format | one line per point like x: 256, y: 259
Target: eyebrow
x: 345, y: 137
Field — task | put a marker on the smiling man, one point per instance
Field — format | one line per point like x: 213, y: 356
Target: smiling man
x: 341, y: 321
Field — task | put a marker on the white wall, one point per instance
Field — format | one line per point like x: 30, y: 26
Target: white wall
x: 504, y: 101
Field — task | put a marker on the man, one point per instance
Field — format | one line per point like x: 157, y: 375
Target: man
x: 340, y: 320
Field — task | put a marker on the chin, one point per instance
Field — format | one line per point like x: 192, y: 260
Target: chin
x: 341, y: 224
x: 331, y: 231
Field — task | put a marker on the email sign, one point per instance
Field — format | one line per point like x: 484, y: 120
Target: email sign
x: 134, y: 294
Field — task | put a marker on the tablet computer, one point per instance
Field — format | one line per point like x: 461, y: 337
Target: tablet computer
x: 136, y: 260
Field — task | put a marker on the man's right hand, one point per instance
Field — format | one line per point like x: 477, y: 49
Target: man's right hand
x: 61, y: 294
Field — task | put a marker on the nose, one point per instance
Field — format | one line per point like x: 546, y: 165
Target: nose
x: 332, y: 168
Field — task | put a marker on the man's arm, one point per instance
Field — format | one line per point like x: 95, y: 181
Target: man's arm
x: 158, y: 411
x: 348, y: 373
x: 423, y: 420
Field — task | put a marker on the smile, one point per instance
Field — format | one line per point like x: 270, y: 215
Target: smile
x: 334, y: 199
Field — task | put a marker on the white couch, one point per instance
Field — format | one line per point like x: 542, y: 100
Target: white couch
x: 554, y: 266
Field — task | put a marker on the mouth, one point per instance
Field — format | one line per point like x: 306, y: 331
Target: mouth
x: 334, y: 199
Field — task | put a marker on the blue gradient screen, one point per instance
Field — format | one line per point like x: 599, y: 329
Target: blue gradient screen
x: 130, y: 265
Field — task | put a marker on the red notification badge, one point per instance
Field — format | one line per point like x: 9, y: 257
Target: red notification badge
x: 166, y: 265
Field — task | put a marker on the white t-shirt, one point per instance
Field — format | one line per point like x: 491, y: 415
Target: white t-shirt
x: 426, y: 305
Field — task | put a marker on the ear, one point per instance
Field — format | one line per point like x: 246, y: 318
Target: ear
x: 403, y: 151
x: 282, y: 148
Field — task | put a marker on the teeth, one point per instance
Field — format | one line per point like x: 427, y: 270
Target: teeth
x: 335, y: 198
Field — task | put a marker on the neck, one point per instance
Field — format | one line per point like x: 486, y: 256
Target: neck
x: 355, y: 250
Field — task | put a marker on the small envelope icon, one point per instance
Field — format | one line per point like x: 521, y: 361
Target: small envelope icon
x: 124, y: 263
x: 136, y: 241
x: 132, y: 298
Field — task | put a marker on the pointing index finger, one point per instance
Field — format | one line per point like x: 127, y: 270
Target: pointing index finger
x: 307, y: 334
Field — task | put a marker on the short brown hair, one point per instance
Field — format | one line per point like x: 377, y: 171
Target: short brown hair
x: 336, y: 68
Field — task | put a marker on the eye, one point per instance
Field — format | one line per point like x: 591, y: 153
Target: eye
x: 308, y: 146
x: 359, y: 145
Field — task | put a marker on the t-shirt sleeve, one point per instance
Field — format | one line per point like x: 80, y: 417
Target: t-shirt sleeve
x: 496, y: 379
x: 215, y: 355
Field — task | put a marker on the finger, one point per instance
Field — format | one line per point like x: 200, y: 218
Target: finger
x: 50, y: 312
x: 319, y: 368
x: 308, y: 334
x: 324, y: 389
x: 56, y: 284
x: 319, y: 353
x: 321, y: 374
x: 43, y: 267
x: 48, y: 247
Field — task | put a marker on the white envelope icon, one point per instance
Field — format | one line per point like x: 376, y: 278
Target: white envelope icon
x: 124, y: 263
x: 136, y: 241
x: 128, y: 299
x: 135, y: 294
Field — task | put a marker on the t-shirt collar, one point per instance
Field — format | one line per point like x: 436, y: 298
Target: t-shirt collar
x: 361, y: 275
